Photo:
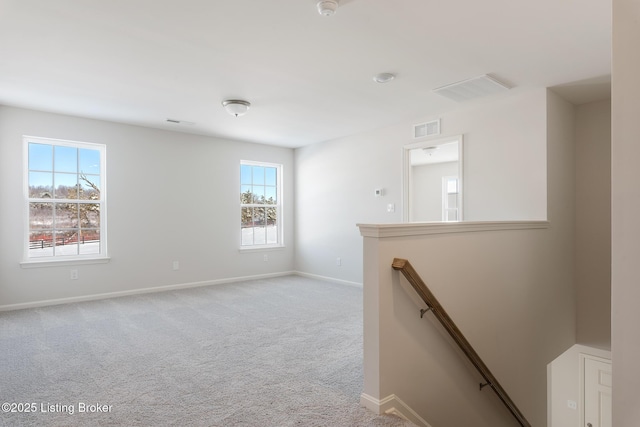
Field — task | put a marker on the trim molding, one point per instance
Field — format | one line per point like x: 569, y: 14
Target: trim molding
x: 430, y: 228
x: 93, y: 297
x: 328, y: 279
x: 63, y: 262
x: 392, y: 405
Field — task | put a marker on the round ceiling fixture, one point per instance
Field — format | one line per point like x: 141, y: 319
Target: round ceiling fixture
x: 383, y: 77
x: 430, y: 151
x: 327, y: 7
x: 236, y: 107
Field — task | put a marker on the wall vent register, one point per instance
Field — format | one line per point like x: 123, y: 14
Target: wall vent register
x: 426, y: 129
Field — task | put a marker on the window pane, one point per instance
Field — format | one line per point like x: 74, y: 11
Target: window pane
x: 247, y: 236
x: 270, y: 195
x: 40, y: 244
x: 258, y: 194
x: 259, y: 223
x: 66, y: 186
x: 246, y: 196
x: 272, y: 235
x: 89, y: 215
x: 246, y: 217
x: 40, y: 157
x: 270, y: 176
x: 259, y: 237
x: 40, y: 216
x: 258, y: 175
x: 245, y: 174
x: 89, y: 161
x: 65, y: 159
x: 452, y: 185
x: 41, y: 185
x: 452, y: 201
x: 66, y: 242
x: 66, y: 215
x: 272, y: 216
x: 258, y: 217
x: 90, y: 187
x: 89, y: 242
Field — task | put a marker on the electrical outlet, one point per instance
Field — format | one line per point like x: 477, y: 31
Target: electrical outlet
x: 338, y: 261
x: 391, y: 207
x: 572, y: 404
x: 74, y: 274
x: 176, y: 265
x: 265, y: 258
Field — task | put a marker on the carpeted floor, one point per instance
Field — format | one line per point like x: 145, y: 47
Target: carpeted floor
x: 276, y: 352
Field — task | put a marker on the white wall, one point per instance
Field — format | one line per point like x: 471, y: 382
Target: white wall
x: 172, y: 196
x: 625, y: 212
x: 507, y: 293
x: 511, y: 293
x: 426, y: 190
x: 592, y: 255
x: 335, y: 180
x: 593, y: 223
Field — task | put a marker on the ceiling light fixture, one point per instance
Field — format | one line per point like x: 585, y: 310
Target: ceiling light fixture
x: 383, y: 77
x: 236, y: 107
x: 430, y: 151
x: 327, y: 7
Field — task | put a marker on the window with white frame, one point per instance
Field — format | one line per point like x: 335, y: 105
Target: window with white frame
x: 260, y: 204
x: 65, y: 199
x: 450, y: 197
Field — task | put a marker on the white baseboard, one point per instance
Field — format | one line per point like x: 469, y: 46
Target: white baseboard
x: 328, y: 279
x: 93, y: 297
x: 392, y: 405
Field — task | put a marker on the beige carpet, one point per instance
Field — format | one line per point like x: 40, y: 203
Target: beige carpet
x: 277, y: 352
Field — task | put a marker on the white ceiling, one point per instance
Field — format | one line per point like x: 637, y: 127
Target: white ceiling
x: 308, y: 77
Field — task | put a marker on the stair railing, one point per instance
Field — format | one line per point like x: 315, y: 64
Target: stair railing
x: 434, y: 306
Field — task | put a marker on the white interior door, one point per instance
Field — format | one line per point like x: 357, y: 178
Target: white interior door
x: 597, y: 392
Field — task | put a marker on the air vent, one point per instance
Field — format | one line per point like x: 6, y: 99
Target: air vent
x: 472, y: 88
x: 180, y: 122
x: 426, y: 129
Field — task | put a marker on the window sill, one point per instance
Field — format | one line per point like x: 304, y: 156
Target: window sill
x: 261, y: 248
x: 63, y: 262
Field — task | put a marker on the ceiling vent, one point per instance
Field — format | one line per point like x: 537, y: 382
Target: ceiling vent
x: 426, y: 129
x: 472, y: 88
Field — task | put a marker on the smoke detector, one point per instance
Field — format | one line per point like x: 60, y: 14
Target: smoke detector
x: 327, y: 7
x: 383, y: 77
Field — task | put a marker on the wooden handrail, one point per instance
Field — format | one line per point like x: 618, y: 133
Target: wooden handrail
x: 421, y: 288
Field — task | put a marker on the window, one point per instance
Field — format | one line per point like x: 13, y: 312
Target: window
x: 450, y: 198
x: 260, y: 204
x: 65, y: 198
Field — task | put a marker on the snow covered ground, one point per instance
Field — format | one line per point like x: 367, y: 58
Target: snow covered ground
x: 70, y: 249
x: 260, y: 235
